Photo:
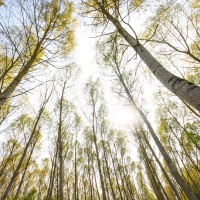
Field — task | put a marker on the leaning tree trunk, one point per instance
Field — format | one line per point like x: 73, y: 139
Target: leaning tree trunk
x: 26, y: 68
x: 115, y: 172
x: 161, y: 167
x: 182, y: 88
x: 152, y: 173
x: 17, y: 170
x: 26, y: 168
x: 107, y: 168
x: 172, y: 168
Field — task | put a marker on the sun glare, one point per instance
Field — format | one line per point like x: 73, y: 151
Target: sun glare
x: 123, y: 115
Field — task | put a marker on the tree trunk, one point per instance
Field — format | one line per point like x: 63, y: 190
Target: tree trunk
x: 75, y: 171
x: 125, y: 196
x: 16, y: 172
x: 107, y: 167
x: 16, y: 81
x: 115, y: 172
x: 179, y: 179
x: 97, y: 151
x: 26, y: 167
x: 182, y: 88
x: 152, y: 174
x: 7, y: 161
x: 161, y: 167
x: 52, y: 174
x: 162, y: 150
x: 60, y: 148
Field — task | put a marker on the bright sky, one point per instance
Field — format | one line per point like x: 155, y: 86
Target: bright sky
x: 85, y: 57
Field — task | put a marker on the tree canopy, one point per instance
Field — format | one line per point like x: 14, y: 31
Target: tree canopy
x: 124, y: 124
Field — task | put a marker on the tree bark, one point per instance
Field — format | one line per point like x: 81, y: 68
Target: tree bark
x: 115, y: 171
x: 107, y: 167
x: 152, y: 174
x: 52, y: 174
x: 161, y: 167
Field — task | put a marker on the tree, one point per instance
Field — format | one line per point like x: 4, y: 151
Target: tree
x: 173, y: 36
x: 94, y: 96
x: 32, y: 39
x: 106, y: 11
x: 33, y: 136
x: 113, y: 59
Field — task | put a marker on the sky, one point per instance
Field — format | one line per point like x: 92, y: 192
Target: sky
x: 85, y: 57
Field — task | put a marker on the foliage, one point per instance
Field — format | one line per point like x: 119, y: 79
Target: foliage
x: 64, y: 145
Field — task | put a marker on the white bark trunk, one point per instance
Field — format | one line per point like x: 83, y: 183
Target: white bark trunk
x: 172, y: 168
x: 182, y: 88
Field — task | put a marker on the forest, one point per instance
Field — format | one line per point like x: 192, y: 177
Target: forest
x: 99, y: 99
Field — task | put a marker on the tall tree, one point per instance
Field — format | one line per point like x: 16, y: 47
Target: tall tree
x: 94, y: 97
x: 33, y: 135
x: 34, y: 37
x: 106, y: 11
x: 115, y: 61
